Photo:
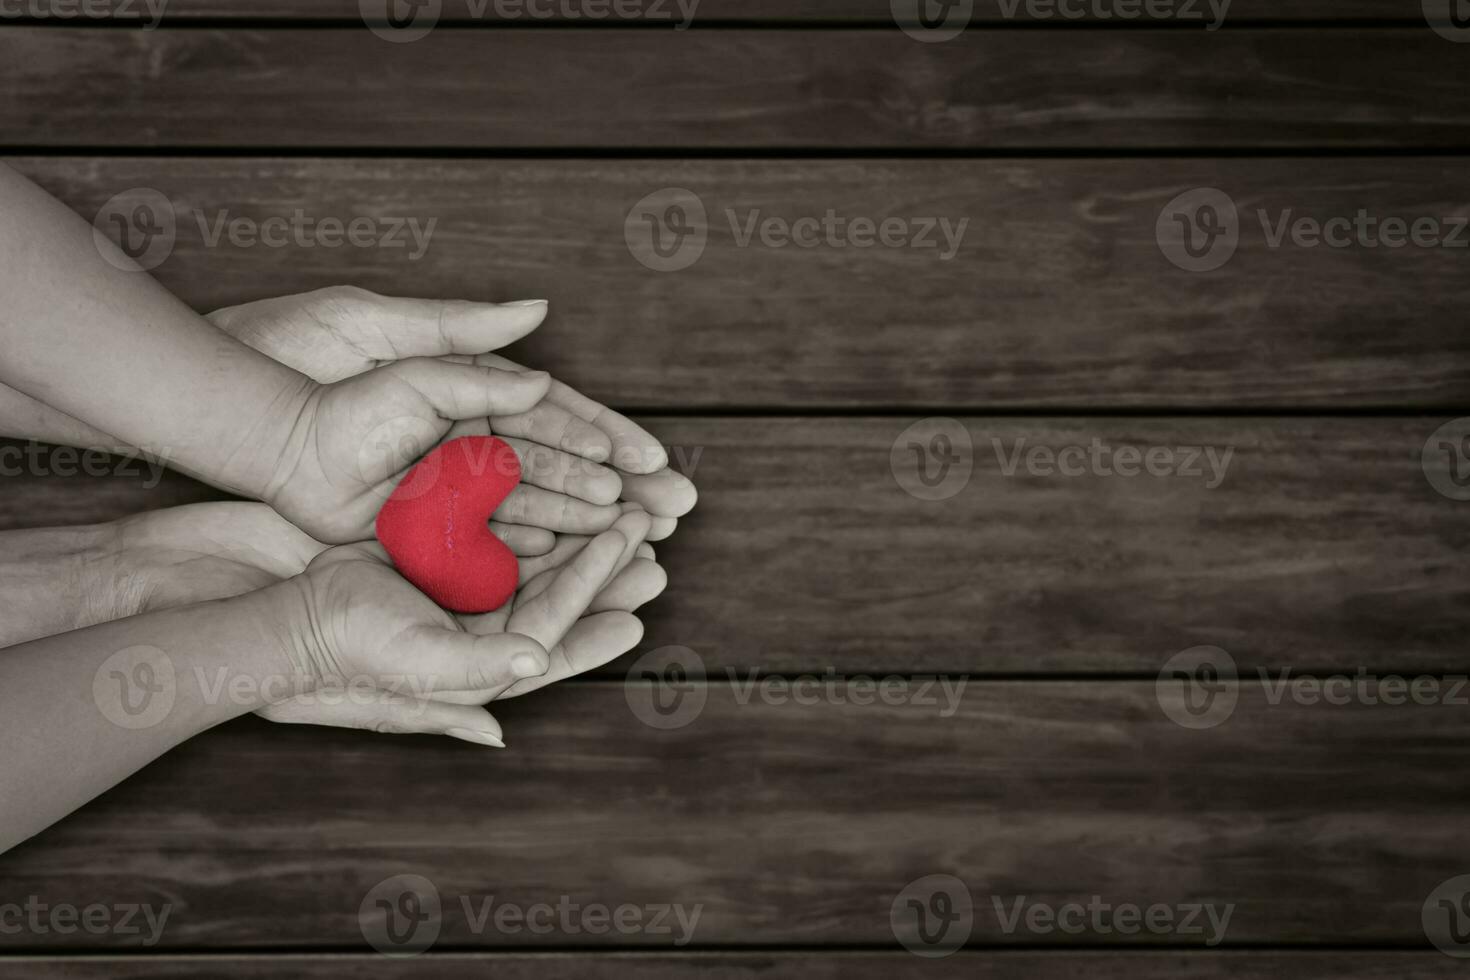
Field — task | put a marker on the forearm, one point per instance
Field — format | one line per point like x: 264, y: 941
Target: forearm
x: 57, y: 579
x: 113, y: 349
x: 84, y: 710
x: 22, y: 417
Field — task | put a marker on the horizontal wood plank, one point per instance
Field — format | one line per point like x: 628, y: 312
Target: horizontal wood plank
x: 848, y: 90
x: 784, y: 824
x: 827, y: 965
x: 1057, y: 292
x: 585, y: 12
x: 1319, y: 544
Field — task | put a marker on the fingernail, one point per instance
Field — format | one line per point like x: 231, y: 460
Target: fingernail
x: 479, y: 738
x: 528, y: 665
x: 527, y: 302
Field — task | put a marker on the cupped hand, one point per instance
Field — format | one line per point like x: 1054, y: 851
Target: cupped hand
x: 201, y: 552
x: 341, y: 332
x: 430, y: 671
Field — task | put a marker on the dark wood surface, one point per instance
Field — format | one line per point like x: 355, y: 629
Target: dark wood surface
x: 788, y: 824
x: 1323, y: 548
x: 849, y: 90
x: 460, y: 12
x: 1002, y: 965
x: 1058, y: 295
x: 782, y: 379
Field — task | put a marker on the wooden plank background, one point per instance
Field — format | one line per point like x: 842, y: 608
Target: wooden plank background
x: 1058, y: 295
x: 874, y: 90
x: 789, y: 824
x: 782, y: 380
x: 1323, y: 548
x: 462, y: 12
x: 1000, y: 965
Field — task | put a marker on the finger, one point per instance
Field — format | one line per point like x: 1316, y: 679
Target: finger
x: 468, y: 391
x: 389, y: 714
x: 547, y: 616
x: 555, y: 511
x: 633, y: 526
x: 565, y: 549
x: 594, y: 641
x: 663, y: 494
x: 453, y: 660
x: 398, y: 327
x: 637, y: 585
x: 663, y: 528
x: 524, y: 541
x: 634, y: 449
x: 645, y: 550
x: 551, y: 425
x: 552, y: 469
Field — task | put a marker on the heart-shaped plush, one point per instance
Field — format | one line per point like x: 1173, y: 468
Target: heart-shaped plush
x: 436, y: 527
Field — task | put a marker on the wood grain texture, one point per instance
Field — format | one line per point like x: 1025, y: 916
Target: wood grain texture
x: 849, y: 90
x: 785, y: 824
x: 1058, y: 293
x: 461, y: 12
x: 1324, y: 547
x: 827, y: 965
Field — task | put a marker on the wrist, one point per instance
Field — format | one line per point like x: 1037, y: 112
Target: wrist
x: 259, y: 464
x: 56, y: 580
x: 291, y: 643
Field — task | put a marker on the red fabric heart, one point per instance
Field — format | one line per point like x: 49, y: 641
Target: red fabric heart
x: 436, y: 528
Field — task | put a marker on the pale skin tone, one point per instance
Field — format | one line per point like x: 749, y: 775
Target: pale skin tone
x: 323, y: 454
x: 316, y: 405
x: 347, y: 620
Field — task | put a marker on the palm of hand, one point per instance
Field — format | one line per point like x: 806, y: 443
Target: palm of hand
x: 349, y: 445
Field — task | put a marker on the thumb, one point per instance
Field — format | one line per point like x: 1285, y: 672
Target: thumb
x: 390, y: 714
x: 468, y: 391
x: 453, y: 660
x: 436, y: 327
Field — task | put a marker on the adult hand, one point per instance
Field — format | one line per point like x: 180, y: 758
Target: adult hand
x: 340, y: 332
x: 366, y: 622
